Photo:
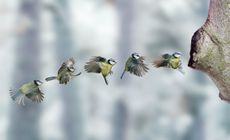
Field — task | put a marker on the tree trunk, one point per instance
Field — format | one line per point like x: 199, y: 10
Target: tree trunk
x: 71, y: 119
x: 24, y: 121
x: 210, y: 50
x: 125, y: 12
x: 121, y: 112
x: 193, y: 104
x: 120, y: 121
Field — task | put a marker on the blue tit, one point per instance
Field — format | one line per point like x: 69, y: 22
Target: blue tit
x: 100, y: 65
x: 135, y: 65
x: 170, y: 61
x: 29, y: 90
x: 65, y: 73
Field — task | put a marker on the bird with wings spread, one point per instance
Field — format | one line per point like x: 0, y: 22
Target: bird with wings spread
x: 135, y: 65
x: 100, y: 65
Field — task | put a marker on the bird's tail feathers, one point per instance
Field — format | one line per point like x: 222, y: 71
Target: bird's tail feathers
x: 159, y: 63
x: 18, y: 97
x: 51, y: 78
x: 123, y: 74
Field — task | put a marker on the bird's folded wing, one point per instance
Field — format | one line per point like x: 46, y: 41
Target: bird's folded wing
x: 138, y: 67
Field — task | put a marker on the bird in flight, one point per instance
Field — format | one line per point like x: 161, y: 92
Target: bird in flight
x: 30, y: 90
x: 100, y: 65
x: 65, y: 72
x: 135, y: 65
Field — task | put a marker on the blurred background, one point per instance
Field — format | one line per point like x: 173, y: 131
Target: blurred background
x: 36, y: 36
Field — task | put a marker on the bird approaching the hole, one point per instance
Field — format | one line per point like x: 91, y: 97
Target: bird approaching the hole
x: 172, y: 61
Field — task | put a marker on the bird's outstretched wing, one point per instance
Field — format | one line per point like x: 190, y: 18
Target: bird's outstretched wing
x: 138, y: 67
x: 36, y: 96
x: 99, y: 59
x: 18, y: 97
x: 166, y: 56
x: 94, y: 65
x: 162, y: 62
x: 69, y: 63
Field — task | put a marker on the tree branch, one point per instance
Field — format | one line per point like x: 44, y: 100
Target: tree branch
x: 210, y: 47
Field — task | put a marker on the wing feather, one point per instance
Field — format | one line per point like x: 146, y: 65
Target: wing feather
x: 163, y: 61
x: 94, y: 65
x: 18, y: 97
x: 37, y: 96
x: 166, y: 56
x: 138, y: 67
x: 69, y: 63
x: 98, y: 59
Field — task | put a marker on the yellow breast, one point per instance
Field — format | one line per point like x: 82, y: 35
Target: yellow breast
x: 175, y: 63
x: 105, y: 69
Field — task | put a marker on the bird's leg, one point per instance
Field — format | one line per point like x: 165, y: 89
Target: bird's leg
x: 106, y: 81
x: 123, y: 74
x: 76, y: 74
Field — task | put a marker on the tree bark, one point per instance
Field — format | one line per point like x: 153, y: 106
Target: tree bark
x: 210, y: 47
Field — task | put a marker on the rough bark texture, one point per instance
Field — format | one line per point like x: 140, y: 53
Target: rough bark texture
x: 210, y: 47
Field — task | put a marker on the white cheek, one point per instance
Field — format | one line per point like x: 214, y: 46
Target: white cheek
x: 39, y: 83
x: 177, y: 56
x: 137, y: 57
x: 113, y: 63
